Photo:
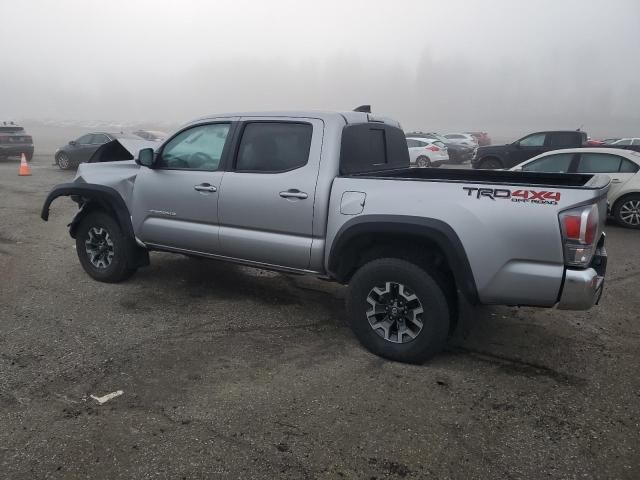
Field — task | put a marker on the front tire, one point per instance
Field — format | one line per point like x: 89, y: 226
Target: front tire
x: 63, y: 161
x: 397, y: 310
x: 102, y: 248
x: 423, y: 162
x: 627, y: 211
x: 491, y: 164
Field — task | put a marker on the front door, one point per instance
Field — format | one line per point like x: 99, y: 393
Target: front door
x: 175, y: 203
x: 526, y: 148
x: 267, y: 199
x: 82, y: 149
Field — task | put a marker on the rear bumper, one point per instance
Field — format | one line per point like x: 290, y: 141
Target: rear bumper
x: 583, y: 288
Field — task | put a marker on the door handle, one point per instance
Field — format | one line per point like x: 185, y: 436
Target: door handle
x: 294, y: 193
x: 205, y: 187
x: 616, y: 180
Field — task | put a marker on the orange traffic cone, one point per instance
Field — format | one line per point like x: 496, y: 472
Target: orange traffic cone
x: 25, y: 169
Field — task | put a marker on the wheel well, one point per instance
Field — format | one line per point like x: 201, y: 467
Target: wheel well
x: 88, y: 206
x: 416, y: 249
x: 622, y: 198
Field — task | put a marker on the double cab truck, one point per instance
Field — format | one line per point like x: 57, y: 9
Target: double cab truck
x: 512, y: 154
x: 332, y: 195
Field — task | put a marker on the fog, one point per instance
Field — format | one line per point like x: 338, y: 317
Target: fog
x: 502, y: 66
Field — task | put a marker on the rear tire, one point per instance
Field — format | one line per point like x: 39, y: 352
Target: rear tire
x: 423, y: 162
x: 102, y: 248
x: 627, y: 211
x: 491, y: 164
x: 418, y: 327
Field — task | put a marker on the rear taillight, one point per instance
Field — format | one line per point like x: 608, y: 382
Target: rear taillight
x: 433, y: 148
x: 579, y: 231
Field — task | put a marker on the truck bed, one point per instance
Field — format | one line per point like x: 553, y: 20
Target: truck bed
x: 561, y: 180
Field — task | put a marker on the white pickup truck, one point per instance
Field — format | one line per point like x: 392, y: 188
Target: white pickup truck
x: 332, y: 195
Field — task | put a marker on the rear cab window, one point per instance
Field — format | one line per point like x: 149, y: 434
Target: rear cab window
x: 369, y: 147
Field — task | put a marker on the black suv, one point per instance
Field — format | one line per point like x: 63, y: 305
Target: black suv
x: 510, y: 155
x: 14, y: 141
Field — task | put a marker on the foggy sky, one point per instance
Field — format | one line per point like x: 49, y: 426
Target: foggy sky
x: 431, y: 64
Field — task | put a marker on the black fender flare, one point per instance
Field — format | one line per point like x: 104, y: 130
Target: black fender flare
x: 90, y: 196
x: 436, y: 231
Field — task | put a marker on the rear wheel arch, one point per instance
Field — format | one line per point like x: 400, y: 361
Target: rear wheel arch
x: 618, y: 204
x: 429, y: 243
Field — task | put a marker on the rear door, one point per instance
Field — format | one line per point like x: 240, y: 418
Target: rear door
x: 618, y: 168
x: 267, y: 199
x: 175, y: 203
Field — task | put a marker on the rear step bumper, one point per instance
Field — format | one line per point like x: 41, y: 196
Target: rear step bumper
x: 583, y: 288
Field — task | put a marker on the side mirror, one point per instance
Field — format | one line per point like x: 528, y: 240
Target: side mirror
x: 146, y: 157
x: 73, y: 143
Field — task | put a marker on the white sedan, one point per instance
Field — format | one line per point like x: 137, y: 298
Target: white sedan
x: 427, y: 152
x: 462, y: 139
x: 622, y: 166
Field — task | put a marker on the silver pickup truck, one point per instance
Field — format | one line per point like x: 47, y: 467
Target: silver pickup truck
x: 332, y: 195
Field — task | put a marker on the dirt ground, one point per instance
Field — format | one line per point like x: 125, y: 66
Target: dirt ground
x: 231, y: 372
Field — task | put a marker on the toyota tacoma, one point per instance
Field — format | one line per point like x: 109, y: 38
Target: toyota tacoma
x: 332, y: 195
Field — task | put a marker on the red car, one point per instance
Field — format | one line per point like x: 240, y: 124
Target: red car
x: 482, y: 138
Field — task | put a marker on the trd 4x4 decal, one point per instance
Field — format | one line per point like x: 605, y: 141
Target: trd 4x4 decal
x: 541, y: 197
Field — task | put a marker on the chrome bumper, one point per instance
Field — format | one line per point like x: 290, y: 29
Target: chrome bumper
x: 583, y: 288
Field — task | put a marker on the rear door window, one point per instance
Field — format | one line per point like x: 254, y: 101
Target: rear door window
x: 599, y: 163
x: 274, y: 146
x: 413, y: 143
x: 558, y: 163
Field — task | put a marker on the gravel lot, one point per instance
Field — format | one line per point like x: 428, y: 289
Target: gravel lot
x: 231, y: 372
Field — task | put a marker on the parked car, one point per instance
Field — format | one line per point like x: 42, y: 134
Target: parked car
x: 152, y: 135
x: 80, y: 150
x: 626, y: 141
x: 621, y: 165
x: 482, y: 138
x: 427, y: 152
x: 462, y: 139
x: 332, y: 195
x: 510, y: 155
x: 457, y: 153
x: 14, y: 141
